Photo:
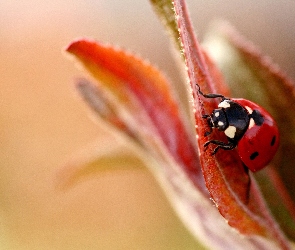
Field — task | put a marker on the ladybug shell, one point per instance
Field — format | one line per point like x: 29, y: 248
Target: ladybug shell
x: 260, y: 142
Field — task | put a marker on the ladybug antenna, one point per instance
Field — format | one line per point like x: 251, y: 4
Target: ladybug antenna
x: 210, y: 95
x: 199, y: 89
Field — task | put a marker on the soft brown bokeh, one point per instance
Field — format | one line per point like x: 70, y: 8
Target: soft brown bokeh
x: 43, y: 122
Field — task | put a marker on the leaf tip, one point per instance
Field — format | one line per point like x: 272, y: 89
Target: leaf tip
x: 78, y: 43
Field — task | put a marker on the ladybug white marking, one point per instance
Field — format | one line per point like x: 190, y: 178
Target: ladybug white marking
x: 216, y: 114
x: 224, y: 104
x: 230, y: 131
x: 249, y: 110
x: 251, y: 123
x: 220, y: 123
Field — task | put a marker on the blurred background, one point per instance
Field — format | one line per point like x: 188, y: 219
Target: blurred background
x: 43, y: 122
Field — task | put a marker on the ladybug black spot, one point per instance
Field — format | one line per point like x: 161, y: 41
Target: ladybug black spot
x: 273, y: 140
x: 257, y: 117
x: 254, y: 155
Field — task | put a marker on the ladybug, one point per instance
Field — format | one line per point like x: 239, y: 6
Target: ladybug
x: 248, y: 127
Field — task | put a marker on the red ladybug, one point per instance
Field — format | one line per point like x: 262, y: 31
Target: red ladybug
x: 248, y: 127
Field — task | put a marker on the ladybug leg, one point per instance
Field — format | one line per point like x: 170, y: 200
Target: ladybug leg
x: 220, y: 144
x: 208, y: 117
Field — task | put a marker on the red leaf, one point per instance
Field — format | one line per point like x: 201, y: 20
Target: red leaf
x: 145, y: 93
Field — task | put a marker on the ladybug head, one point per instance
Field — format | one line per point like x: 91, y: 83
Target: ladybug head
x: 218, y: 120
